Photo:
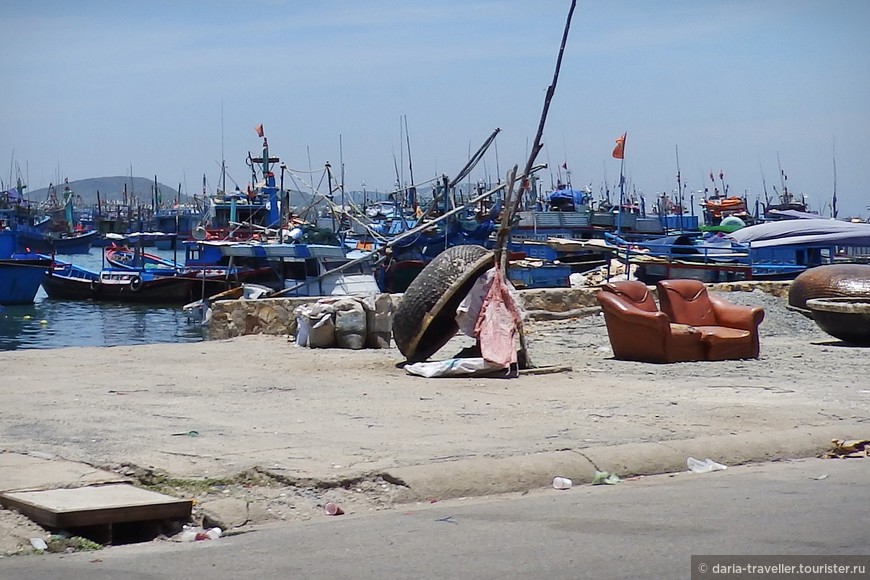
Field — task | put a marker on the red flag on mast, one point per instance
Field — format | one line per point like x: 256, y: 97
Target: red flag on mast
x: 259, y: 130
x: 619, y: 150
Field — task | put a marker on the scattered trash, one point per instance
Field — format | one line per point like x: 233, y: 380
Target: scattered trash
x: 303, y: 324
x: 187, y: 433
x: 562, y: 483
x: 706, y: 466
x: 605, y: 478
x: 454, y: 367
x: 38, y: 544
x: 333, y: 509
x: 447, y: 520
x: 197, y: 534
x: 821, y: 477
x: 854, y: 448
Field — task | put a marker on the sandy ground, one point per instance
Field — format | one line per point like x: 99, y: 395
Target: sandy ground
x: 283, y: 429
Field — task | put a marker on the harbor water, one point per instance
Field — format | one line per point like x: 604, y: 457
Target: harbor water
x: 61, y: 323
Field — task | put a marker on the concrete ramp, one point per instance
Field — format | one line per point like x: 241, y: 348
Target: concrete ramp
x: 65, y: 494
x: 96, y: 505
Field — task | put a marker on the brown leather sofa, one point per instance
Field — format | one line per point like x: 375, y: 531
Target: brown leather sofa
x: 691, y: 325
x: 729, y: 331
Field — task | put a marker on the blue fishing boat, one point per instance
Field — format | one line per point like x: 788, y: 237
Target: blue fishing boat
x: 778, y: 250
x: 20, y: 276
x: 39, y: 233
x: 121, y: 256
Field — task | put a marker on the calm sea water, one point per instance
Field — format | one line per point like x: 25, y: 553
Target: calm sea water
x: 58, y: 323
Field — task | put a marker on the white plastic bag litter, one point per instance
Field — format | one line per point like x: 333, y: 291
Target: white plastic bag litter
x: 303, y: 324
x: 454, y: 367
x: 706, y: 466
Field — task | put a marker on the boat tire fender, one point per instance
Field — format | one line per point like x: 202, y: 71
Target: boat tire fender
x: 136, y: 283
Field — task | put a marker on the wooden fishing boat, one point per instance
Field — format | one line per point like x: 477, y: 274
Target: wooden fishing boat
x: 67, y: 281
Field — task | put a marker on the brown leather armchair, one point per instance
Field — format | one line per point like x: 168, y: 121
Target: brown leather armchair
x: 728, y: 331
x: 638, y: 331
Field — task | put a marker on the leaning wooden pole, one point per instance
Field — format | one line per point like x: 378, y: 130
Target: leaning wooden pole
x: 537, y: 146
x: 513, y: 200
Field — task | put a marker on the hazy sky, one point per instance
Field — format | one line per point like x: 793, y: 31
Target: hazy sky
x: 92, y: 88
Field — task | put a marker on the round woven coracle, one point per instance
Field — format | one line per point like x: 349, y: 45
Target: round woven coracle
x: 830, y: 281
x: 845, y: 318
x: 425, y: 318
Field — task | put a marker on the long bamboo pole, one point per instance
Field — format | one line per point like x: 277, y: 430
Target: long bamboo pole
x: 402, y: 236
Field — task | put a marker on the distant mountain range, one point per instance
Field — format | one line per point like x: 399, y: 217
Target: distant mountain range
x: 111, y: 189
x: 141, y: 189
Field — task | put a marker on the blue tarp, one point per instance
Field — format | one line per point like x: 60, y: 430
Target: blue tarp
x: 572, y: 195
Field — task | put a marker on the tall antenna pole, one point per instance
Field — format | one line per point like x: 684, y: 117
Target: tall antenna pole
x: 764, y: 185
x: 223, y: 158
x: 310, y: 172
x: 679, y: 186
x: 413, y: 189
x: 341, y: 161
x: 782, y: 178
x: 401, y: 154
x: 834, y: 198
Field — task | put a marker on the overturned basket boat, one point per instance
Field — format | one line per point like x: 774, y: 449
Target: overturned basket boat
x: 845, y: 318
x: 829, y: 281
x: 425, y: 318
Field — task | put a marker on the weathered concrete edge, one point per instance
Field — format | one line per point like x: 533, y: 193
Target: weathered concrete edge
x: 489, y: 476
x: 275, y: 316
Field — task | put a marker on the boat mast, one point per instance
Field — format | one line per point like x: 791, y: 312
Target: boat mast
x: 341, y: 162
x: 679, y: 186
x: 764, y: 185
x: 786, y: 198
x: 223, y: 158
x: 834, y: 198
x: 412, y: 190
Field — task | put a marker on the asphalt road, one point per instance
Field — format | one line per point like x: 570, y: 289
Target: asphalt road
x: 643, y: 528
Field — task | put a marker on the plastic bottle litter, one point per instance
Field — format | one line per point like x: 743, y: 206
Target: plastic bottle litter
x: 562, y: 483
x: 706, y: 466
x: 197, y: 534
x: 38, y: 544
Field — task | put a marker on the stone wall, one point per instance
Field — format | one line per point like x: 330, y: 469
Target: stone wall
x: 275, y: 315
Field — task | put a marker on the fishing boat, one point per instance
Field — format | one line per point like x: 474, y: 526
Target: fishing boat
x: 20, y: 275
x: 20, y: 279
x: 133, y: 275
x: 778, y: 250
x: 121, y: 256
x: 66, y: 281
x: 40, y: 233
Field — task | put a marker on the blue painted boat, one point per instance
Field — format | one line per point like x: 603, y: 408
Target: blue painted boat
x: 20, y: 277
x: 778, y: 250
x: 34, y: 241
x: 38, y: 233
x: 20, y: 280
x: 125, y: 257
